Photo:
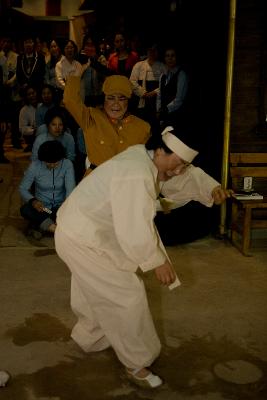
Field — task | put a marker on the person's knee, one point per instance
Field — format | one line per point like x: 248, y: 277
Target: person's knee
x: 24, y: 211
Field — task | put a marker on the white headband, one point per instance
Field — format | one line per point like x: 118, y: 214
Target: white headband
x: 177, y: 146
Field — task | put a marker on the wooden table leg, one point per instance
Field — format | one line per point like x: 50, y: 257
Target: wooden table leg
x: 246, y: 231
x: 234, y: 224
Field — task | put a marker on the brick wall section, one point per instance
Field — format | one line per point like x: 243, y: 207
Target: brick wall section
x: 248, y: 80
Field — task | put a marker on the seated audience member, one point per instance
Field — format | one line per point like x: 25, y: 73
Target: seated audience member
x: 54, y: 129
x: 48, y: 99
x: 27, y: 122
x: 52, y: 176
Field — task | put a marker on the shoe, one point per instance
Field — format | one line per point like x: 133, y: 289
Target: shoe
x: 4, y: 378
x: 4, y: 160
x: 151, y: 381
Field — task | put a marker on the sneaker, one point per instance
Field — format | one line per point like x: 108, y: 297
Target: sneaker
x: 151, y: 381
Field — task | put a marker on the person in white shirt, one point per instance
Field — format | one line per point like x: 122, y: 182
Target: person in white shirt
x: 105, y: 232
x: 68, y: 65
x: 145, y: 78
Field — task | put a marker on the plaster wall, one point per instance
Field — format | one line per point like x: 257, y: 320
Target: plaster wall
x: 37, y: 8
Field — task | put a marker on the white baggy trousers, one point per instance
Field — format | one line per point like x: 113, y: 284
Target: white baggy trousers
x: 110, y: 304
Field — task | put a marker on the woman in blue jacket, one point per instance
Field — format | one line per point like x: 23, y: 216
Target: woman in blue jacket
x: 52, y: 176
x: 54, y: 129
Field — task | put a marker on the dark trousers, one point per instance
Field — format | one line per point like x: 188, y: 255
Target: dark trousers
x: 35, y: 217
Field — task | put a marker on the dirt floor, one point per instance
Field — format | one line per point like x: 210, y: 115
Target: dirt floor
x: 213, y: 328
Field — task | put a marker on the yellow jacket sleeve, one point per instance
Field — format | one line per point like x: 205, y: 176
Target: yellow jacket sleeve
x: 73, y: 101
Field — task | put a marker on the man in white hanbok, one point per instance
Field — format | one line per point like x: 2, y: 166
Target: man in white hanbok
x: 105, y: 232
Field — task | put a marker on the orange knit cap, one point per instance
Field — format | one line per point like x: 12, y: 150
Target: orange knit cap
x: 117, y: 84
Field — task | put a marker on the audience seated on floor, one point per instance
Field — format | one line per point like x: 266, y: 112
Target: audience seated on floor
x: 48, y: 100
x: 47, y: 182
x: 54, y: 129
x: 27, y: 122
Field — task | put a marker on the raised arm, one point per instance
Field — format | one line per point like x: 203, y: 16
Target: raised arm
x: 73, y: 101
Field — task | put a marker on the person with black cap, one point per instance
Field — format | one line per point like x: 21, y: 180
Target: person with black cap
x: 105, y: 232
x: 53, y: 178
x: 109, y: 130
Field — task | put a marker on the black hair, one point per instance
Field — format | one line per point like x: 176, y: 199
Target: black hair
x: 24, y: 92
x: 51, y: 151
x: 29, y: 35
x: 187, y: 136
x: 156, y: 142
x: 87, y: 37
x: 54, y: 59
x: 73, y: 44
x: 54, y: 112
x: 50, y: 87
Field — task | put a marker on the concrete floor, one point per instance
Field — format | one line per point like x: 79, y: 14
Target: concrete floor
x: 213, y: 327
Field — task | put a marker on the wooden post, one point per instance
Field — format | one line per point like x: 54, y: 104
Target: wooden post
x: 227, y: 112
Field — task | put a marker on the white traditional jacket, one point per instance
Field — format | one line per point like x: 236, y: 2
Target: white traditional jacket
x: 112, y: 210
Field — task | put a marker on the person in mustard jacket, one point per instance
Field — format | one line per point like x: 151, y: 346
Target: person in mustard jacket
x: 110, y: 129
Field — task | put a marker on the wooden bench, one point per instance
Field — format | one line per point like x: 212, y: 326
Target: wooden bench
x: 248, y: 214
